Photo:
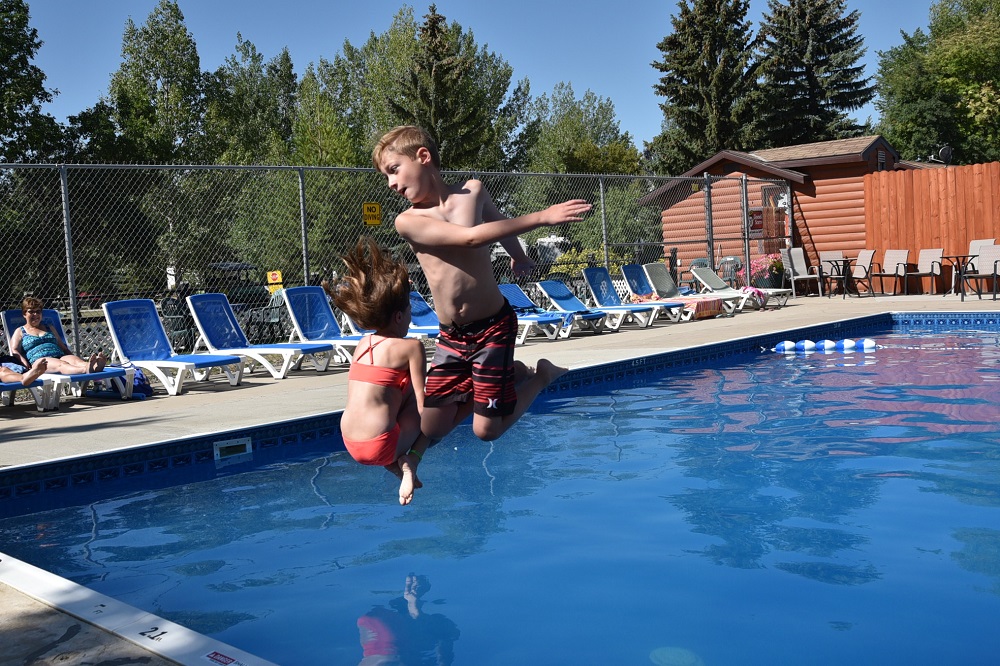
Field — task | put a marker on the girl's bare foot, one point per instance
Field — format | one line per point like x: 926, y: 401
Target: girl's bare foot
x: 549, y: 371
x: 101, y: 361
x: 36, y: 370
x: 410, y: 481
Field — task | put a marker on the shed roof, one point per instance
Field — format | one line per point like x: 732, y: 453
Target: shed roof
x: 785, y: 163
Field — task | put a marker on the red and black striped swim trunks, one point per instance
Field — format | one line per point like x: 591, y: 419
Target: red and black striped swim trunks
x: 476, y: 359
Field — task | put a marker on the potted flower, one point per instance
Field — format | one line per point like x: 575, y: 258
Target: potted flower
x: 766, y: 271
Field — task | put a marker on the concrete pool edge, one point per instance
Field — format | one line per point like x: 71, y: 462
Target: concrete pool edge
x: 146, y: 630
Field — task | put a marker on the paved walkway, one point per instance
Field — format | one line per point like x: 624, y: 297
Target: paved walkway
x: 83, y: 426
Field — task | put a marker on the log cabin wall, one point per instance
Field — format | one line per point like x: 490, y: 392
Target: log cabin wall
x: 684, y: 224
x: 829, y: 211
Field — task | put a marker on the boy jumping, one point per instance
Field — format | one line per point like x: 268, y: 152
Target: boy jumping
x: 451, y: 228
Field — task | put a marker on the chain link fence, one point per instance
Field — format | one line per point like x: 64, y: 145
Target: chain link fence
x: 76, y: 236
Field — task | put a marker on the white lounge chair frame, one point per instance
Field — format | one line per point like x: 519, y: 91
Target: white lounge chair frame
x: 713, y: 284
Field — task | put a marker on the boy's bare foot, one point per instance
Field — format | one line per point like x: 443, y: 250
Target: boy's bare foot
x: 522, y: 373
x: 549, y: 371
x: 40, y: 366
x: 410, y: 481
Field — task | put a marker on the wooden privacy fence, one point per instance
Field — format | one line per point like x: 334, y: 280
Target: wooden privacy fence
x: 930, y: 208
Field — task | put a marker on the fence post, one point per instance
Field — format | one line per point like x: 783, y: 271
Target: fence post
x: 68, y: 239
x: 604, y: 223
x: 790, y: 223
x: 305, y: 230
x: 745, y: 203
x: 710, y: 232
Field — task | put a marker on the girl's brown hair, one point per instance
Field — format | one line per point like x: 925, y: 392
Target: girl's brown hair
x: 375, y: 287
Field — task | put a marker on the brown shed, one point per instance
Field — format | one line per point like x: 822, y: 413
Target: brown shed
x: 826, y: 210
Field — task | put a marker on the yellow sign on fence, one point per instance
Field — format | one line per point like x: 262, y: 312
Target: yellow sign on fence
x: 372, y: 213
x: 274, y: 282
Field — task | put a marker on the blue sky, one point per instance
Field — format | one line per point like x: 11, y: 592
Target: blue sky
x: 592, y: 44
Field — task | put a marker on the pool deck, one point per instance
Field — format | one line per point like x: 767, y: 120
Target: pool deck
x: 86, y: 425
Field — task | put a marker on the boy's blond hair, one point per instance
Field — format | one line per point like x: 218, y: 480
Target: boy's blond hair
x: 405, y: 140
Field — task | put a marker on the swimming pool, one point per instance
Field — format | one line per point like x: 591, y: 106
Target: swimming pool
x: 696, y: 512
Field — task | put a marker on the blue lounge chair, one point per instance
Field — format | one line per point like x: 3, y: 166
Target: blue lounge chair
x: 68, y: 384
x: 220, y: 333
x: 605, y: 294
x: 532, y: 319
x: 141, y: 340
x: 424, y: 321
x: 42, y: 391
x: 313, y: 320
x: 694, y: 306
x: 606, y: 298
x: 583, y: 318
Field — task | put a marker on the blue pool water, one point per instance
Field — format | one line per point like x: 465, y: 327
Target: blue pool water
x: 822, y: 509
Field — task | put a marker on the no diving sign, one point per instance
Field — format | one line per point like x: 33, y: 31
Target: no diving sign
x: 372, y: 213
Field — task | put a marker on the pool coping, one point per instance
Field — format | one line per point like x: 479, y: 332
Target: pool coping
x: 148, y: 631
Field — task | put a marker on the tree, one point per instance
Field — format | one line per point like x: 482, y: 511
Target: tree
x: 918, y: 116
x: 156, y: 96
x: 810, y: 76
x: 457, y: 92
x: 250, y: 107
x: 319, y: 135
x: 25, y: 132
x: 580, y: 136
x: 708, y: 83
x: 943, y: 87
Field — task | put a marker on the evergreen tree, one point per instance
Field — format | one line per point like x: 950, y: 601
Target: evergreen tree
x: 25, y: 132
x: 442, y: 95
x: 319, y: 135
x: 433, y: 75
x: 708, y: 83
x: 810, y: 72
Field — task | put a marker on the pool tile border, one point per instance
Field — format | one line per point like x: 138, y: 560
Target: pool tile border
x: 25, y: 489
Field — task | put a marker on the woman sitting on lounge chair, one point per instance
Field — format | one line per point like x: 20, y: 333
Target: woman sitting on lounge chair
x: 35, y: 341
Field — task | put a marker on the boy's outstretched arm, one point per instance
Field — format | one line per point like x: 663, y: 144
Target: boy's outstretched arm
x: 426, y: 230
